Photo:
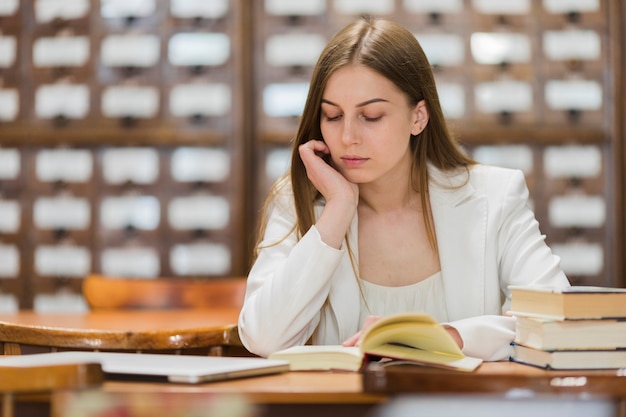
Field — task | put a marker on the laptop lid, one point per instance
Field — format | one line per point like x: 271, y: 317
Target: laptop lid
x: 190, y: 369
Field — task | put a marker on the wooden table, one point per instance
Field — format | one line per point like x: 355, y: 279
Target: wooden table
x: 287, y: 394
x: 342, y: 393
x: 511, y: 388
x: 119, y: 330
x: 494, y: 378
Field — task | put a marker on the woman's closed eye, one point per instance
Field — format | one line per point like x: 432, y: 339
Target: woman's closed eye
x: 332, y: 117
x: 366, y: 116
x: 372, y: 118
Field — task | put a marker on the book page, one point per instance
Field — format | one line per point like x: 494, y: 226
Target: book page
x: 415, y: 330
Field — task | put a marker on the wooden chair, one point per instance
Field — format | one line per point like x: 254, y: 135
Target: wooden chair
x: 106, y: 292
x: 37, y: 380
x: 101, y: 292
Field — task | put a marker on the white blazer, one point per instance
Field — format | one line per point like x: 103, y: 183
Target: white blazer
x: 488, y: 239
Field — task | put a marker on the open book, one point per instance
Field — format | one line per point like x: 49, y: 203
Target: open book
x: 410, y: 337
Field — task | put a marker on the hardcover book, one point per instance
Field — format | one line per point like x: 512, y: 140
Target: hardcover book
x: 577, y: 302
x: 549, y: 334
x: 570, y: 359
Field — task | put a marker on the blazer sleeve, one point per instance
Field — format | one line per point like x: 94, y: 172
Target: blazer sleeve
x: 522, y: 258
x: 487, y: 337
x: 287, y: 285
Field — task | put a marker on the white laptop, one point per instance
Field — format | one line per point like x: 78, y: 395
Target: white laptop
x: 189, y: 369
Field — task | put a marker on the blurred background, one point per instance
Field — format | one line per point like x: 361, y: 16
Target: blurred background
x: 139, y: 137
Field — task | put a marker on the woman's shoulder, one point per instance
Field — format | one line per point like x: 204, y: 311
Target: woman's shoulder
x: 492, y: 171
x: 481, y: 173
x: 475, y: 173
x: 480, y: 178
x: 498, y: 182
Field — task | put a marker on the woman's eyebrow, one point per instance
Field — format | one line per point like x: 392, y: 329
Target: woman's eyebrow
x: 365, y: 103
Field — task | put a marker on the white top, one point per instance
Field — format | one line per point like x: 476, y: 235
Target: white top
x: 426, y: 296
x: 301, y: 289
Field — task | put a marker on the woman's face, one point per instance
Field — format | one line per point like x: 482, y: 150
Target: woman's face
x: 367, y: 122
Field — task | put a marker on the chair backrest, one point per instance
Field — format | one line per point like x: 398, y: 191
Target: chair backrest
x: 41, y: 379
x: 101, y: 292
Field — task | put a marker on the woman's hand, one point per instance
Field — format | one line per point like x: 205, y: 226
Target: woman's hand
x: 355, y: 340
x: 342, y: 196
x: 316, y: 157
x: 455, y: 335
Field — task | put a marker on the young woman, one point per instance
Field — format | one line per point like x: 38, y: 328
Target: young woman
x: 382, y: 212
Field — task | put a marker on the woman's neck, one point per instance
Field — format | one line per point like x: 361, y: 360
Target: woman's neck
x: 381, y: 198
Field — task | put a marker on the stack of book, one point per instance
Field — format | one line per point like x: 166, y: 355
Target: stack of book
x: 579, y: 327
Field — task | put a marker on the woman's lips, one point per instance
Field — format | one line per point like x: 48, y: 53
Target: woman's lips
x: 353, y: 161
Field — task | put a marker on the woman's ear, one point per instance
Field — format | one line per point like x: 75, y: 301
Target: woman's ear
x: 420, y: 118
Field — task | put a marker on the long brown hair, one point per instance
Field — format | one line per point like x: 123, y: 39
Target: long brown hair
x: 394, y: 52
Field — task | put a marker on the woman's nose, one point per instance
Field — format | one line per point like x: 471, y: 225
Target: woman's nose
x: 350, y: 133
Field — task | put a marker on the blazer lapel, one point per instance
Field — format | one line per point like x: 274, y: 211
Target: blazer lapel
x: 460, y: 218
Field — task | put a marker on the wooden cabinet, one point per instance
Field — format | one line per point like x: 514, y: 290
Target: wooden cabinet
x: 124, y: 127
x: 140, y: 138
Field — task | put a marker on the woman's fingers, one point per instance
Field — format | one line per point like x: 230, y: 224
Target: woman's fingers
x: 355, y: 340
x: 313, y: 152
